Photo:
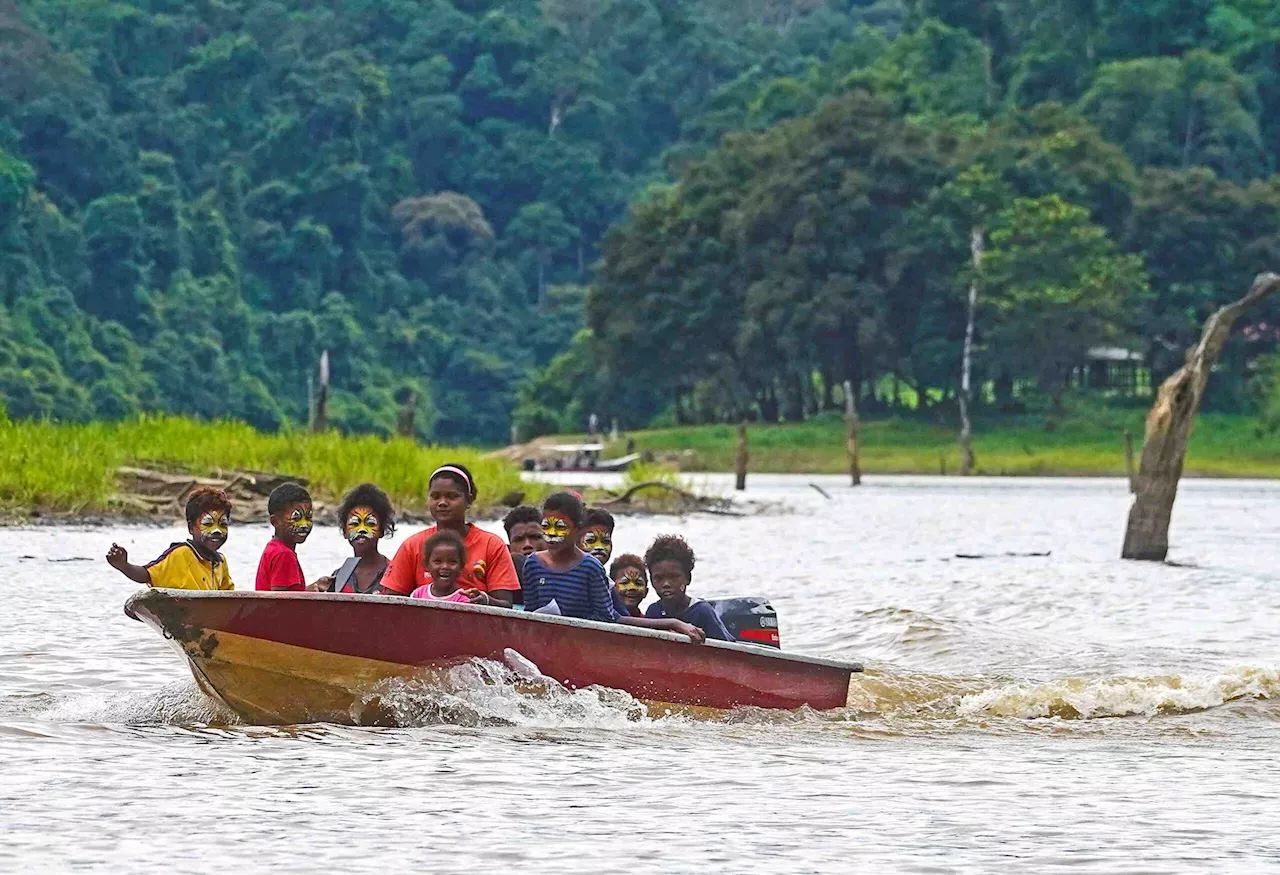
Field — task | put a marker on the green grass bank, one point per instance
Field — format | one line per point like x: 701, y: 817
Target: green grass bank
x: 1222, y: 445
x: 70, y: 469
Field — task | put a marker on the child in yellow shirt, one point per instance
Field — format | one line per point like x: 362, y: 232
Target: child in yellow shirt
x: 191, y: 564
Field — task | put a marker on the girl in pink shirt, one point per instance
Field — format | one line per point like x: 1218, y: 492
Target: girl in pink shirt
x: 443, y: 558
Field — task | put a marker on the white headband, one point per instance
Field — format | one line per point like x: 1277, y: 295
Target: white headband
x: 450, y: 469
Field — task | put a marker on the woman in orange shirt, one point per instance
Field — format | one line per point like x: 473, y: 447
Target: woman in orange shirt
x: 452, y: 491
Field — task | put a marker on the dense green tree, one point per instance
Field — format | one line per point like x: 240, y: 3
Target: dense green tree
x: 1058, y: 285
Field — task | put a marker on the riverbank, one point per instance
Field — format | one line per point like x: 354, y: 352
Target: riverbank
x: 67, y: 471
x: 1223, y: 445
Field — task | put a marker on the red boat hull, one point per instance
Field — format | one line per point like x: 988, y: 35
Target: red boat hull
x: 309, y: 657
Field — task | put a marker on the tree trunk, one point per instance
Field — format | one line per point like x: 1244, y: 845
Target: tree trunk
x: 768, y: 406
x: 321, y: 419
x: 855, y: 429
x: 966, y: 361
x: 1128, y: 461
x: 1169, y: 428
x: 405, y: 421
x: 740, y: 482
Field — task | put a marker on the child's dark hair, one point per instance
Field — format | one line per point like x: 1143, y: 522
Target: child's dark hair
x: 370, y: 496
x: 443, y: 538
x: 598, y: 516
x: 666, y: 547
x: 625, y: 561
x: 284, y: 495
x: 565, y: 503
x: 204, y: 499
x: 458, y: 473
x: 525, y: 513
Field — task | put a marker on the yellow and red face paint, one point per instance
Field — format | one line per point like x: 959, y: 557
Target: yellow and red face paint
x: 555, y: 528
x: 632, y: 585
x: 598, y: 541
x: 363, y: 525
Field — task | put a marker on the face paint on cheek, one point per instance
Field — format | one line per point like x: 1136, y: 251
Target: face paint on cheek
x: 631, y: 586
x: 213, y: 525
x: 300, y: 522
x: 555, y: 529
x: 363, y: 525
x: 599, y: 543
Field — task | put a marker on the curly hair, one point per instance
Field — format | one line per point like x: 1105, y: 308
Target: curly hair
x: 625, y: 561
x: 370, y: 496
x: 444, y: 537
x: 284, y: 495
x: 204, y: 499
x: 598, y: 516
x: 673, y: 547
x: 525, y: 513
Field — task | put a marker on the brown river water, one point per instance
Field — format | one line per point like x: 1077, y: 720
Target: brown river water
x: 1066, y: 712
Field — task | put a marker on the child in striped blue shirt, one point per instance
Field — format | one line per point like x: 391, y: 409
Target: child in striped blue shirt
x: 576, y: 581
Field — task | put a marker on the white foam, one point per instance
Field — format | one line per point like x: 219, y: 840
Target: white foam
x: 1087, y: 698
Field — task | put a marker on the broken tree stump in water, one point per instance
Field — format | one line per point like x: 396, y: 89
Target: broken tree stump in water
x: 744, y: 455
x: 1169, y: 428
x: 854, y: 437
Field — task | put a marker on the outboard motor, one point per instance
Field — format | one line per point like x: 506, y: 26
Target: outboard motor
x: 750, y: 619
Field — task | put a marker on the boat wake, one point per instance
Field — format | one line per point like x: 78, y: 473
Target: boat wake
x: 1076, y: 698
x: 483, y: 693
x: 180, y: 703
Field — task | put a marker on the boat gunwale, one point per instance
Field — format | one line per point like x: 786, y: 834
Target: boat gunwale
x: 574, y: 622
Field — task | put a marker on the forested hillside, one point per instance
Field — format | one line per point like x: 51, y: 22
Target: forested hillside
x: 1099, y: 174
x: 197, y: 198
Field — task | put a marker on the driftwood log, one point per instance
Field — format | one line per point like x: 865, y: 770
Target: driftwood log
x: 1169, y: 428
x: 689, y: 500
x: 155, y: 492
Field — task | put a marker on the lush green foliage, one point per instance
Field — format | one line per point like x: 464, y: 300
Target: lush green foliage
x: 196, y: 199
x: 1111, y: 160
x: 70, y: 467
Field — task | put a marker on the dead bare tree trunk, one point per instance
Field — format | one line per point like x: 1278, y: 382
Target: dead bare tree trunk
x: 740, y: 482
x: 855, y: 429
x: 1169, y: 428
x: 966, y: 364
x: 1128, y: 461
x: 321, y: 420
x: 408, y: 412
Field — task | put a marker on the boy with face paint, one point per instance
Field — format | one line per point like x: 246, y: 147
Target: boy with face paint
x: 575, y: 580
x: 366, y: 516
x: 597, y: 534
x: 630, y: 582
x: 191, y: 564
x: 289, y: 506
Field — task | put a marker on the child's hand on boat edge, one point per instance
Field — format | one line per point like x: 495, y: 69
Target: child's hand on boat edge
x: 696, y: 635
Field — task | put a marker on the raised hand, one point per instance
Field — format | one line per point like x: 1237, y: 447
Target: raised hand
x: 117, y: 557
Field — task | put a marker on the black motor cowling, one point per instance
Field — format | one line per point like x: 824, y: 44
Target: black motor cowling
x: 750, y: 619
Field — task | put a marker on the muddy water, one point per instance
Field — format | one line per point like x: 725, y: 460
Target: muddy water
x: 1039, y: 713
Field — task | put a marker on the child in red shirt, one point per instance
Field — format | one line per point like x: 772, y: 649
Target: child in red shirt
x: 289, y: 506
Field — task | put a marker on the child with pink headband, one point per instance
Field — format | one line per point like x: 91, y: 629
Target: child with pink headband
x: 451, y: 492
